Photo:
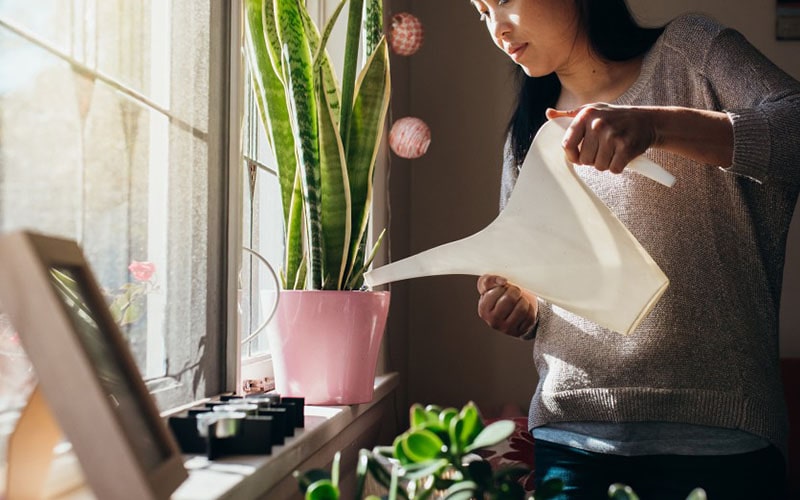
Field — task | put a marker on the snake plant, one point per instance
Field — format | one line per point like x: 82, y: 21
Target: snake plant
x: 324, y: 134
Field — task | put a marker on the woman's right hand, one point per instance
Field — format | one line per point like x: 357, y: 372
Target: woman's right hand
x: 505, y: 306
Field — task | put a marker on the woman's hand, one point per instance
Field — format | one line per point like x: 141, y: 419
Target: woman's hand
x: 506, y: 307
x: 607, y: 137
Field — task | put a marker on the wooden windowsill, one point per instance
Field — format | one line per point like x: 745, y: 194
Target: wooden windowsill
x: 327, y: 429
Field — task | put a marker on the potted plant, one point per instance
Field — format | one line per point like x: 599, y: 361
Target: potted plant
x: 325, y: 136
x: 435, y: 459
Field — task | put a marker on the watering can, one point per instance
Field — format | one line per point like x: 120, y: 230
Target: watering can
x: 556, y: 239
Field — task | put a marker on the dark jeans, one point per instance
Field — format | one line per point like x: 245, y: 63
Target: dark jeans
x: 756, y: 475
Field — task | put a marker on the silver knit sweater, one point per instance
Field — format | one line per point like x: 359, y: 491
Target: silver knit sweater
x: 708, y: 352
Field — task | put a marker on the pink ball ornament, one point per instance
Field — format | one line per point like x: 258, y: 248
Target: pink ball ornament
x: 409, y: 137
x: 406, y: 34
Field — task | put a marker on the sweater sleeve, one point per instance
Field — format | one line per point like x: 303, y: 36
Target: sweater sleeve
x: 763, y: 104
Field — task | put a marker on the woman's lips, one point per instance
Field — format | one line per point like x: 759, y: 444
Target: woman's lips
x: 516, y: 52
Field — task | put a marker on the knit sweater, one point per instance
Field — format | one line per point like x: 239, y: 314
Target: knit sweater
x: 708, y: 353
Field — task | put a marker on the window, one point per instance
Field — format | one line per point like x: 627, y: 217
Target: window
x: 114, y: 131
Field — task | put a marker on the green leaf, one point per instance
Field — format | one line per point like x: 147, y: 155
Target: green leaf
x: 462, y: 490
x: 491, y: 435
x: 618, y: 491
x: 422, y: 445
x: 465, y: 427
x: 300, y: 92
x: 306, y: 479
x: 323, y: 489
x: 365, y: 132
x: 352, y: 39
x: 373, y: 25
x: 424, y: 469
x: 263, y: 50
x: 321, y: 60
x: 446, y: 416
x: 335, y: 196
x: 296, y: 260
x: 399, y: 452
x: 417, y: 415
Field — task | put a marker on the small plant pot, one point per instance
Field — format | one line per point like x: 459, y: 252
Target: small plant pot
x: 325, y: 344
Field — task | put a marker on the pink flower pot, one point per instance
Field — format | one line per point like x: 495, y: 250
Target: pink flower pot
x: 325, y: 344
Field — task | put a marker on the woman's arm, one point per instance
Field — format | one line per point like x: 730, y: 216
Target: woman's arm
x: 608, y: 137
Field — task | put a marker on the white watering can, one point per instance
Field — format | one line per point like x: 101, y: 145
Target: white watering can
x: 556, y: 239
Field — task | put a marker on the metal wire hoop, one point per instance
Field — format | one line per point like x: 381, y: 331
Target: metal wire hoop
x: 264, y: 324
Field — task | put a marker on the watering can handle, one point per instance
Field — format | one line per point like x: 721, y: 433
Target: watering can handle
x: 643, y: 166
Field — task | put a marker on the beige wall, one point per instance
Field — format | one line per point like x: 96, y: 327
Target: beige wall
x: 459, y: 83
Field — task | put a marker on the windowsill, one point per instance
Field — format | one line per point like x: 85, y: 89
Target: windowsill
x: 327, y: 430
x: 255, y: 476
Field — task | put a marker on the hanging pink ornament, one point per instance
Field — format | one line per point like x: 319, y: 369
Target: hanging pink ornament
x: 409, y: 137
x: 406, y: 34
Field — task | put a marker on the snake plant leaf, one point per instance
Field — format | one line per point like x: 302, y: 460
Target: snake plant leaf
x: 352, y: 39
x: 357, y: 277
x: 270, y: 95
x: 335, y: 195
x: 366, y: 130
x: 303, y: 117
x: 295, y: 264
x: 373, y: 25
x: 321, y: 58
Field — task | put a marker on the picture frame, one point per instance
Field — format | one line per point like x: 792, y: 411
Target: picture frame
x: 86, y: 372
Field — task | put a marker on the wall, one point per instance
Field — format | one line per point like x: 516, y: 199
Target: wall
x: 459, y: 84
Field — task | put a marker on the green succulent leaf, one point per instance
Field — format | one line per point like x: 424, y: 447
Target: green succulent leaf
x: 422, y: 445
x: 462, y: 490
x: 491, y: 435
x: 309, y: 477
x: 323, y: 489
x: 417, y: 416
x: 399, y: 451
x: 424, y: 469
x: 446, y: 416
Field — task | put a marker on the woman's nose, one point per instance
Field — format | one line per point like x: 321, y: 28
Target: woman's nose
x: 499, y: 28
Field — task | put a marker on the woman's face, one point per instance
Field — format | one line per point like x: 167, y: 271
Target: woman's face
x: 538, y: 35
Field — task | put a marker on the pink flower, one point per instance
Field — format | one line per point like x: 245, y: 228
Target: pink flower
x: 142, y: 271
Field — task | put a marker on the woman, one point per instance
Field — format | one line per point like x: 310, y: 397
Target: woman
x: 693, y: 397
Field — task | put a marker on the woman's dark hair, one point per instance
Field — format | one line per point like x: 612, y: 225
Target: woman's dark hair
x: 613, y: 34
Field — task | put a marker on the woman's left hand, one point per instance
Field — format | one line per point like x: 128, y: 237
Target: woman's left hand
x: 606, y: 137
